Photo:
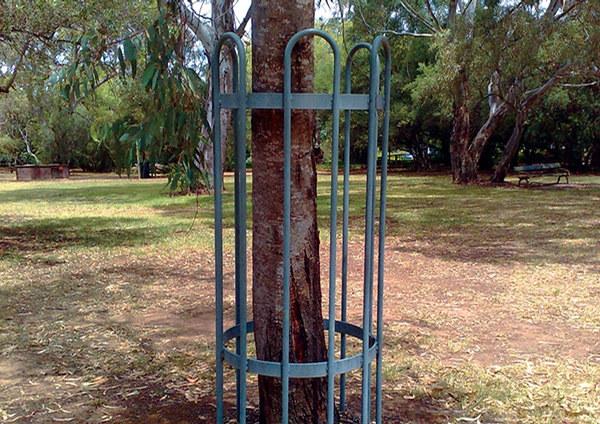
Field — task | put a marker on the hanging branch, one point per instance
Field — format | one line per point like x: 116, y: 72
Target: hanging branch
x: 416, y: 15
x: 5, y: 88
x: 435, y: 21
x: 390, y: 31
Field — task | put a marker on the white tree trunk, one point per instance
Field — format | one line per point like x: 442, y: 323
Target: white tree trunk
x: 222, y: 21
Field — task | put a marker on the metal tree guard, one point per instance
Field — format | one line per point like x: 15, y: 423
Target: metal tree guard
x: 240, y: 101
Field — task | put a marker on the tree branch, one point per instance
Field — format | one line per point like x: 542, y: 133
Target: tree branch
x: 11, y: 81
x: 435, y: 21
x: 418, y: 17
x: 205, y: 33
x: 585, y: 84
x: 553, y: 7
x: 452, y: 14
x: 405, y: 34
x: 536, y: 94
x: 107, y: 78
x: 27, y: 145
x: 242, y: 28
x: 566, y: 12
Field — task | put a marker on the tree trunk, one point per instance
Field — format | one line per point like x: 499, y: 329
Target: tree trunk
x: 273, y: 24
x: 486, y: 131
x: 420, y: 153
x: 464, y: 168
x: 510, y: 150
x: 223, y: 21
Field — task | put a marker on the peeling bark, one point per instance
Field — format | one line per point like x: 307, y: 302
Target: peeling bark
x: 487, y: 130
x: 464, y: 169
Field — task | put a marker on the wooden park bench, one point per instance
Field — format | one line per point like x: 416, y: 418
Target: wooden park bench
x: 526, y: 172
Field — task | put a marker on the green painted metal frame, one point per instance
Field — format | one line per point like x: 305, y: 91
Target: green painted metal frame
x: 240, y: 101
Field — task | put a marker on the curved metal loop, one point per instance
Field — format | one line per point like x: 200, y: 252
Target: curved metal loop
x: 350, y: 61
x: 346, y: 210
x: 375, y: 75
x: 287, y: 107
x: 238, y: 54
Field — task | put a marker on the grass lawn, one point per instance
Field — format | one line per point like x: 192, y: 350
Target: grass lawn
x: 492, y: 304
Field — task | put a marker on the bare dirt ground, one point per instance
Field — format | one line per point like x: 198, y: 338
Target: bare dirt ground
x: 109, y: 358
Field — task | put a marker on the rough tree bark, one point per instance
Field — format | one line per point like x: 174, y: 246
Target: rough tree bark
x: 273, y: 24
x: 465, y: 154
x: 510, y: 150
x: 464, y: 169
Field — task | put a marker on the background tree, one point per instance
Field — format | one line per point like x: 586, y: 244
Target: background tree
x: 207, y: 32
x: 557, y: 63
x: 565, y: 128
x: 419, y: 124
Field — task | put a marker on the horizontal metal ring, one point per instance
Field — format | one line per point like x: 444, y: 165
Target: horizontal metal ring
x: 301, y: 370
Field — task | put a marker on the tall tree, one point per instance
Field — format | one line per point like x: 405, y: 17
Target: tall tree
x: 274, y: 23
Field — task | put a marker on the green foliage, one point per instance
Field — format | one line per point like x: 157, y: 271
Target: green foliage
x: 420, y: 113
x: 55, y: 133
x: 566, y: 129
x: 70, y: 45
x: 10, y: 150
x: 167, y: 127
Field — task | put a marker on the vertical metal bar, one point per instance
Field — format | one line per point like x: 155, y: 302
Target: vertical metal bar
x: 238, y: 237
x: 345, y: 219
x: 218, y: 185
x: 382, y: 210
x: 241, y: 140
x: 370, y: 232
x: 239, y: 87
x: 346, y: 213
x: 287, y: 154
x: 335, y: 137
x: 334, y: 193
